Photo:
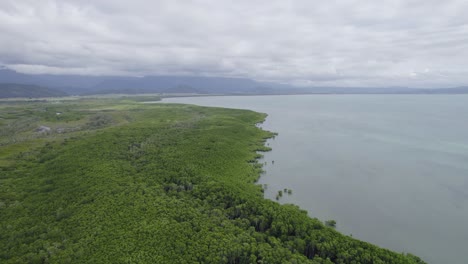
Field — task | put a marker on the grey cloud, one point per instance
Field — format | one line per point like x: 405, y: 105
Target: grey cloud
x: 326, y: 43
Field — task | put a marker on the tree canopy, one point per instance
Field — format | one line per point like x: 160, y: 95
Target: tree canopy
x: 116, y: 181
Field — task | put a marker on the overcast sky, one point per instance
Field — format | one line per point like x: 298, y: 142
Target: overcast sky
x: 421, y: 43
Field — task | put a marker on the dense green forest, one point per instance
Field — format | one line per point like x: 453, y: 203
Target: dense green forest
x: 117, y: 181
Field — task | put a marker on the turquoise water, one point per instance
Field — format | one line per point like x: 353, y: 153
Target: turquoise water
x: 390, y: 169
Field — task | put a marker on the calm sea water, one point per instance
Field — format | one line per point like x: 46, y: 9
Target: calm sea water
x: 390, y: 169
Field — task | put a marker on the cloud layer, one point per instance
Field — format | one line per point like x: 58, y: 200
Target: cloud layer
x: 320, y: 43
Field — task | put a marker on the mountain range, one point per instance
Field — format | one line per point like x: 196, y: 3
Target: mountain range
x: 14, y: 90
x: 17, y: 84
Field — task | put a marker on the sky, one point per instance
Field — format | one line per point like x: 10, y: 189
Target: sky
x: 366, y: 43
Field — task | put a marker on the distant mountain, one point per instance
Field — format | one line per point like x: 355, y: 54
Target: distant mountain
x: 80, y: 85
x: 456, y: 90
x: 183, y: 84
x: 70, y: 84
x: 88, y: 85
x: 13, y: 90
x: 9, y: 76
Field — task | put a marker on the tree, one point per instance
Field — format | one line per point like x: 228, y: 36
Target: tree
x: 330, y: 223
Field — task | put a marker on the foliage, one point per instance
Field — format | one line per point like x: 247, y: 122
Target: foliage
x: 330, y: 223
x: 153, y: 184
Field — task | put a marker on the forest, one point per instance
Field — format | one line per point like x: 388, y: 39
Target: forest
x: 113, y: 180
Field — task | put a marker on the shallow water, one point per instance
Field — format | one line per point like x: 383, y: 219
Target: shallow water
x: 390, y: 169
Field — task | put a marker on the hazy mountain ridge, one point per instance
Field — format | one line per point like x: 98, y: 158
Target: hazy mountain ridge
x: 88, y: 85
x: 177, y: 84
x: 14, y: 90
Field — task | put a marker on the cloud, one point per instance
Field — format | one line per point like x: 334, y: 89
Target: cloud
x: 325, y: 43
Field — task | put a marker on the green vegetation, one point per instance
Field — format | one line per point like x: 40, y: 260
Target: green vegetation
x: 117, y: 181
x: 330, y: 223
x: 281, y: 192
